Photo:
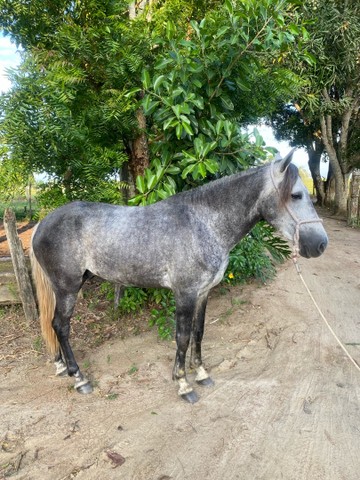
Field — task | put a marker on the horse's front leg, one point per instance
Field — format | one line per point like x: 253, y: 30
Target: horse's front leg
x: 60, y: 365
x: 202, y: 376
x: 185, y: 310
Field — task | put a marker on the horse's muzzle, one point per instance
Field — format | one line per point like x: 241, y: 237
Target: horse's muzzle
x: 312, y: 247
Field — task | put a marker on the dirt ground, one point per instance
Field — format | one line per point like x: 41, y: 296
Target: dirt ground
x: 285, y: 404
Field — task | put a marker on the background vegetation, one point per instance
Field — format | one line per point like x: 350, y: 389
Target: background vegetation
x: 130, y: 103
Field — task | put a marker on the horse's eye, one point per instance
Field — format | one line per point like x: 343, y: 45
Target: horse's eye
x: 296, y: 196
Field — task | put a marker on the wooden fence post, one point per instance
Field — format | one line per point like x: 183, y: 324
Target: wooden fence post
x: 21, y: 272
x: 354, y: 197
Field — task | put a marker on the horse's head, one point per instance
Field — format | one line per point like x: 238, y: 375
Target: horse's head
x: 288, y: 207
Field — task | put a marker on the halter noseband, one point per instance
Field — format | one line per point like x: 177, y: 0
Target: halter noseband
x: 296, y: 240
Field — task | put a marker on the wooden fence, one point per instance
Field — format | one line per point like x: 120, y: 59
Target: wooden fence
x: 20, y: 267
x: 354, y: 199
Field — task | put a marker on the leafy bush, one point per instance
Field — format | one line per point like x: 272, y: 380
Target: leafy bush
x: 256, y: 255
x: 163, y: 317
x: 160, y: 300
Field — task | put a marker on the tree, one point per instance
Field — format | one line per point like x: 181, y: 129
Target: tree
x: 223, y: 72
x: 301, y: 130
x: 74, y: 109
x: 333, y: 93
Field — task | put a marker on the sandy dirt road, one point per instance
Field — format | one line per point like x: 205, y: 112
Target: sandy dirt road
x: 285, y: 405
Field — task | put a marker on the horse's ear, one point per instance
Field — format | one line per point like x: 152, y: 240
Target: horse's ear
x: 283, y: 163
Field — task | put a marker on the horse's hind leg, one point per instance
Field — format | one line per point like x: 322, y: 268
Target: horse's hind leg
x: 61, y: 324
x: 202, y: 377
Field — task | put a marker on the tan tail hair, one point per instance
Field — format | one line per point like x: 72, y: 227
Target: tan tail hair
x: 46, y: 302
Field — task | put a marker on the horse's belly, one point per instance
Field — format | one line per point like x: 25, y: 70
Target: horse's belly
x: 130, y: 274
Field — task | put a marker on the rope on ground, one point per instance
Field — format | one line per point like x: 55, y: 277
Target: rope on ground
x: 323, y: 316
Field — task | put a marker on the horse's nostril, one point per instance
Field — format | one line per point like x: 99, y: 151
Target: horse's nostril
x: 321, y: 247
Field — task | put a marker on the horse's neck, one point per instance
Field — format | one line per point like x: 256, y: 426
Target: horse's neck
x: 231, y: 206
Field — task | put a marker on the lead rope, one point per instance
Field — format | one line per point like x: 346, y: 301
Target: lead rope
x: 295, y: 256
x: 323, y: 316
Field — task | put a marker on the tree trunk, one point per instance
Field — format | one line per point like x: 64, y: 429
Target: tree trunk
x: 139, y: 150
x: 314, y: 166
x: 139, y: 159
x: 340, y: 183
x: 336, y: 143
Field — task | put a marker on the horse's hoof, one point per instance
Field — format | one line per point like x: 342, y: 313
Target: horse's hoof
x: 191, y: 397
x: 206, y: 382
x: 63, y: 373
x: 85, y: 388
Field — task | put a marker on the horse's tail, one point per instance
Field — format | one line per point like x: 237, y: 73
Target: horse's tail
x: 46, y: 301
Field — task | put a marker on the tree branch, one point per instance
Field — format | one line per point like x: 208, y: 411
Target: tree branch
x: 236, y: 58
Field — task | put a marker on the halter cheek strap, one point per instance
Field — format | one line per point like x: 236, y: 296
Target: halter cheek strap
x: 296, y: 240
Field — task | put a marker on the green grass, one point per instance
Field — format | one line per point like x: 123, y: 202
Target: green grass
x: 20, y: 207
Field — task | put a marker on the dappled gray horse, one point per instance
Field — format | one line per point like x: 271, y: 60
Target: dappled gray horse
x: 181, y: 243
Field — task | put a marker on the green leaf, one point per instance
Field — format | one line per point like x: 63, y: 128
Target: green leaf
x: 164, y: 62
x: 162, y: 194
x: 177, y: 110
x: 294, y: 29
x: 187, y: 128
x: 188, y: 170
x: 229, y: 6
x: 198, y: 145
x: 310, y: 58
x: 158, y: 81
x: 152, y: 182
x: 219, y: 126
x: 140, y: 184
x: 199, y: 103
x: 170, y: 30
x: 170, y: 122
x: 195, y: 27
x: 243, y: 85
x: 146, y: 79
x: 132, y: 92
x: 227, y: 103
x: 135, y: 200
x: 228, y: 128
x: 149, y: 105
x: 222, y: 30
x: 173, y: 170
x: 202, y: 170
x: 185, y: 119
x: 211, y: 166
x: 179, y: 130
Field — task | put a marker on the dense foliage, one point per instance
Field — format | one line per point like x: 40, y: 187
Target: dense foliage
x: 87, y: 64
x: 325, y: 113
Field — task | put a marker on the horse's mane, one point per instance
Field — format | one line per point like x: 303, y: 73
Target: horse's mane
x: 284, y: 188
x: 194, y: 195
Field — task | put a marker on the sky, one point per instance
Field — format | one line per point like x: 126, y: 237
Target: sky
x: 10, y: 57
